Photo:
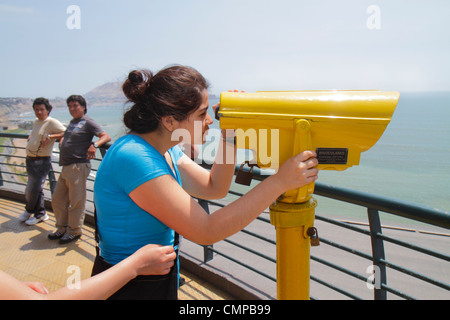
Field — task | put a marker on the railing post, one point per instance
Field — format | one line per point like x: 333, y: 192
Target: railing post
x: 208, y: 254
x: 51, y: 179
x: 103, y: 151
x: 377, y: 254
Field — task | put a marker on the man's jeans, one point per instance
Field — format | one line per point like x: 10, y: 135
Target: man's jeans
x: 37, y: 171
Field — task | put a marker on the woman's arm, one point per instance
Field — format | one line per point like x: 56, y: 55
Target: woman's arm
x: 169, y: 203
x: 213, y: 184
x: 151, y: 259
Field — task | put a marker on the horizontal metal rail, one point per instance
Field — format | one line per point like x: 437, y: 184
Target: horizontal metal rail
x: 13, y: 172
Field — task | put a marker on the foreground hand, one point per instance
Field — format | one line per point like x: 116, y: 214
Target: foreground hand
x: 155, y: 259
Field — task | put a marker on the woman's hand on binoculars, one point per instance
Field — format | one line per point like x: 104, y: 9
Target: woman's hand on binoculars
x: 299, y: 170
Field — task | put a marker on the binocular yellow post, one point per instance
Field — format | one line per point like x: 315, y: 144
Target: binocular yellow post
x: 292, y: 215
x: 291, y: 221
x: 338, y: 125
x: 302, y: 142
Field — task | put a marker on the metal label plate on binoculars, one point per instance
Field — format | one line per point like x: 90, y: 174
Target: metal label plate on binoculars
x: 332, y: 155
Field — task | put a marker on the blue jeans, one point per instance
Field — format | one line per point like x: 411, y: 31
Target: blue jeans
x: 37, y: 171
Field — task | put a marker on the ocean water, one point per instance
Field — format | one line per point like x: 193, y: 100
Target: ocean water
x: 411, y: 161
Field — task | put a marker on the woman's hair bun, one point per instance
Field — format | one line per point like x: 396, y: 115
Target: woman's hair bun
x: 175, y: 91
x: 136, y: 85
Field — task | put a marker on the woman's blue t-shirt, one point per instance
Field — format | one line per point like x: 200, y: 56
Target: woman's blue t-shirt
x: 123, y: 226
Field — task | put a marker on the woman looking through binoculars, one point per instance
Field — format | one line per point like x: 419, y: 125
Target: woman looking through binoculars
x: 145, y: 184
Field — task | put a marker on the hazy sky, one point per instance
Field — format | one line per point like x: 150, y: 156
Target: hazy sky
x: 247, y: 44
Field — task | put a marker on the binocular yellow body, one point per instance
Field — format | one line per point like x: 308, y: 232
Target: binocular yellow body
x: 337, y: 124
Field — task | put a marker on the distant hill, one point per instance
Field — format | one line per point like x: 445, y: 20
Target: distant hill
x: 10, y: 108
x: 107, y: 93
x: 9, y: 105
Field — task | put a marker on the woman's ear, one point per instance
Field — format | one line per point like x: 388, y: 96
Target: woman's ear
x: 169, y: 123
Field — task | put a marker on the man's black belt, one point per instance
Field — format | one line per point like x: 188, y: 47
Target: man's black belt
x: 37, y: 158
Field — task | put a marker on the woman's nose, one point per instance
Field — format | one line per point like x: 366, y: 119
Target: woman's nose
x: 209, y: 120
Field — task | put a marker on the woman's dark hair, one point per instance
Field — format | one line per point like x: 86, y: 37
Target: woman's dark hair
x: 43, y: 101
x: 174, y: 91
x: 79, y: 99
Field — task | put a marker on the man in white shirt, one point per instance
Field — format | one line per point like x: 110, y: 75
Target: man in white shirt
x: 38, y: 162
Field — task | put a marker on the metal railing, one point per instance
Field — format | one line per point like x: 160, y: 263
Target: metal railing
x: 354, y: 258
x: 13, y: 169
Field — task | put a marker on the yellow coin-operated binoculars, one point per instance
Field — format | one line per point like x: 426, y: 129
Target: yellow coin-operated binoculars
x: 338, y: 125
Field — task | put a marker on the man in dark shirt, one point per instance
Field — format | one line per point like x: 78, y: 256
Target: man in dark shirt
x: 76, y: 150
